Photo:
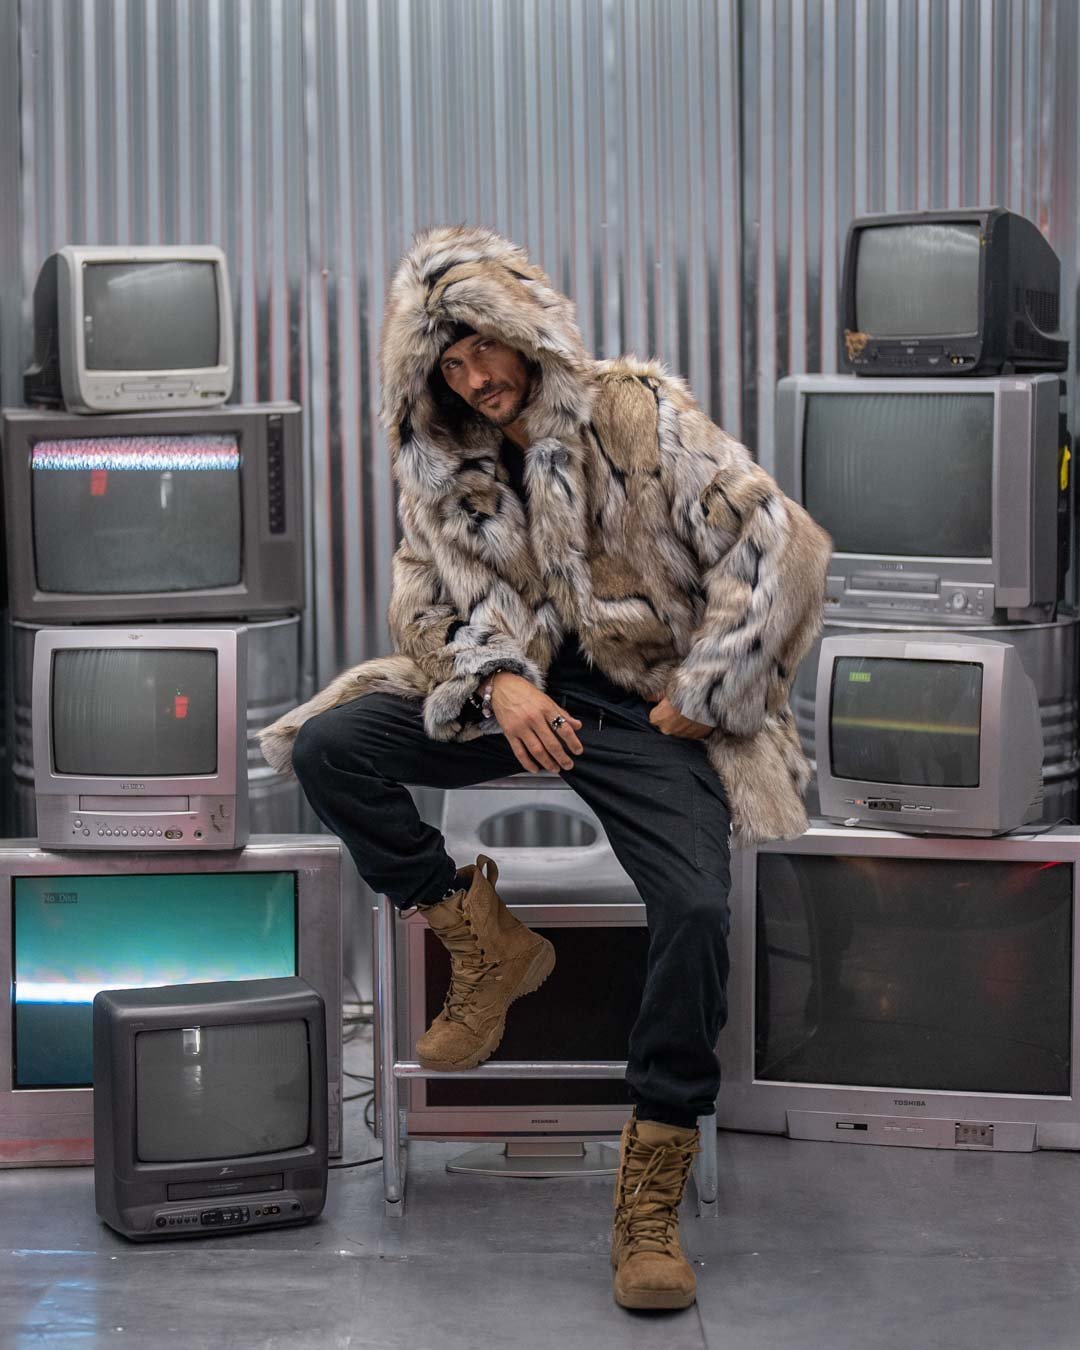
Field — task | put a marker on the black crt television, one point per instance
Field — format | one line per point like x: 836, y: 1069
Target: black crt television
x: 972, y: 291
x: 150, y: 516
x: 209, y: 1107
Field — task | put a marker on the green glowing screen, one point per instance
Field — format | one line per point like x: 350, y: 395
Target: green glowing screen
x: 74, y: 935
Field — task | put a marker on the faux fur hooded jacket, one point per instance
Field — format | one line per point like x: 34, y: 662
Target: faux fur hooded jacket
x: 676, y: 558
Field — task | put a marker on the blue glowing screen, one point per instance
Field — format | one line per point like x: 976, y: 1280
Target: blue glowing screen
x: 75, y: 935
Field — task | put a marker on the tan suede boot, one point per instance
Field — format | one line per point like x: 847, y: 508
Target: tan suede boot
x: 494, y: 960
x: 650, y: 1268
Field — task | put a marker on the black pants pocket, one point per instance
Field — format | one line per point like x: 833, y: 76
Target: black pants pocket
x: 711, y: 819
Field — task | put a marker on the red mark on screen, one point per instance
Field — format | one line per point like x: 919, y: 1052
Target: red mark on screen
x: 99, y: 481
x: 180, y: 706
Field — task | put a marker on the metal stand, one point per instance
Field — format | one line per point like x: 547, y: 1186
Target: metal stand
x: 391, y: 1070
x: 540, y: 1158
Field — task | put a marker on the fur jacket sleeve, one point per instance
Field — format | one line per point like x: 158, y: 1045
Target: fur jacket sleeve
x: 762, y: 561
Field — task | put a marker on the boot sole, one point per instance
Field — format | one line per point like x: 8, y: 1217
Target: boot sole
x: 654, y: 1298
x: 541, y: 966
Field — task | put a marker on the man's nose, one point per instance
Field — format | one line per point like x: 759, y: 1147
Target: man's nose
x: 478, y: 377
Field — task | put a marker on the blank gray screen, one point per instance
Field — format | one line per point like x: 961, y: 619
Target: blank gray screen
x: 914, y: 973
x: 896, y: 721
x: 906, y: 474
x: 918, y: 280
x: 221, y: 1091
x: 150, y: 316
x: 129, y: 714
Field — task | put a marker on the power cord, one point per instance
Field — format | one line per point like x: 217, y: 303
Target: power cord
x: 1061, y: 820
x: 350, y: 1025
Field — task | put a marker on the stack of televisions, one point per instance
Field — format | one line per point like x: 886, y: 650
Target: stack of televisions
x: 905, y: 972
x: 170, y: 978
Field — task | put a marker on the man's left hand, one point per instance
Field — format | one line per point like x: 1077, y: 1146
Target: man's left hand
x: 671, y: 722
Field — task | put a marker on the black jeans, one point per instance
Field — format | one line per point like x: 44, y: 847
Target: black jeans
x: 663, y: 810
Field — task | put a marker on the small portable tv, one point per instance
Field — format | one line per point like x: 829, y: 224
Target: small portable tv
x: 209, y: 1107
x: 935, y: 734
x: 139, y: 738
x: 125, y: 328
x: 963, y: 292
x: 946, y: 500
x: 899, y: 989
x: 153, y: 516
x: 72, y: 924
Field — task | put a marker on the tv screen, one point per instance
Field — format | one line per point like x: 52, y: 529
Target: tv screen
x: 134, y: 713
x: 221, y: 1091
x: 907, y: 475
x: 123, y: 304
x: 552, y: 1024
x: 914, y: 973
x: 154, y: 513
x: 918, y: 280
x: 912, y: 722
x: 75, y: 935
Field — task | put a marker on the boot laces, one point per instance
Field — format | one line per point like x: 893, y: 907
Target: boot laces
x: 649, y: 1209
x: 468, y: 969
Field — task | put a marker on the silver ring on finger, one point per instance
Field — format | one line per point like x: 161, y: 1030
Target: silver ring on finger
x: 557, y: 722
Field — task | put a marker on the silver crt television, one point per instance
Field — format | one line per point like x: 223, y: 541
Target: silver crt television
x: 153, y: 516
x: 139, y: 738
x: 574, y: 1016
x: 73, y: 924
x: 900, y: 989
x: 941, y: 496
x: 126, y: 328
x: 934, y: 733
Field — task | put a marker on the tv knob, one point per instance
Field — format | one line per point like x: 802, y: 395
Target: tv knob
x: 958, y: 600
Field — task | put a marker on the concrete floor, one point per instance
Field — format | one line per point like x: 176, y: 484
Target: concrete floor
x: 816, y: 1245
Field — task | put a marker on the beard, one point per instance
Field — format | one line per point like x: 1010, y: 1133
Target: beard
x: 513, y: 410
x: 504, y: 419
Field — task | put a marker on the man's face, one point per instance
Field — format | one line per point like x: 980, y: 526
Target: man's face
x: 490, y: 376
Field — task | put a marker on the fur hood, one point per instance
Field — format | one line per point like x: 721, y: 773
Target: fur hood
x: 470, y: 275
x: 650, y: 532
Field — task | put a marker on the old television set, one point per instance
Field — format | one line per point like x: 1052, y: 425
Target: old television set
x: 890, y: 988
x: 974, y: 291
x: 72, y: 924
x: 536, y: 1125
x: 139, y: 737
x: 126, y: 328
x: 153, y: 516
x: 946, y: 500
x: 210, y: 1105
x: 928, y: 733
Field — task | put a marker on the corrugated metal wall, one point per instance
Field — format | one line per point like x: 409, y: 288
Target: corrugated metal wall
x: 685, y: 170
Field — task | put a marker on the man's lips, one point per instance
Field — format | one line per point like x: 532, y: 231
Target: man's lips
x: 491, y: 397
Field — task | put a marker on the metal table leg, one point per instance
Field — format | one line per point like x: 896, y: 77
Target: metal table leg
x: 705, y: 1169
x: 394, y: 1154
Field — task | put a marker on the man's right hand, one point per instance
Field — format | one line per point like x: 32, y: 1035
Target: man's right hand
x: 525, y: 714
